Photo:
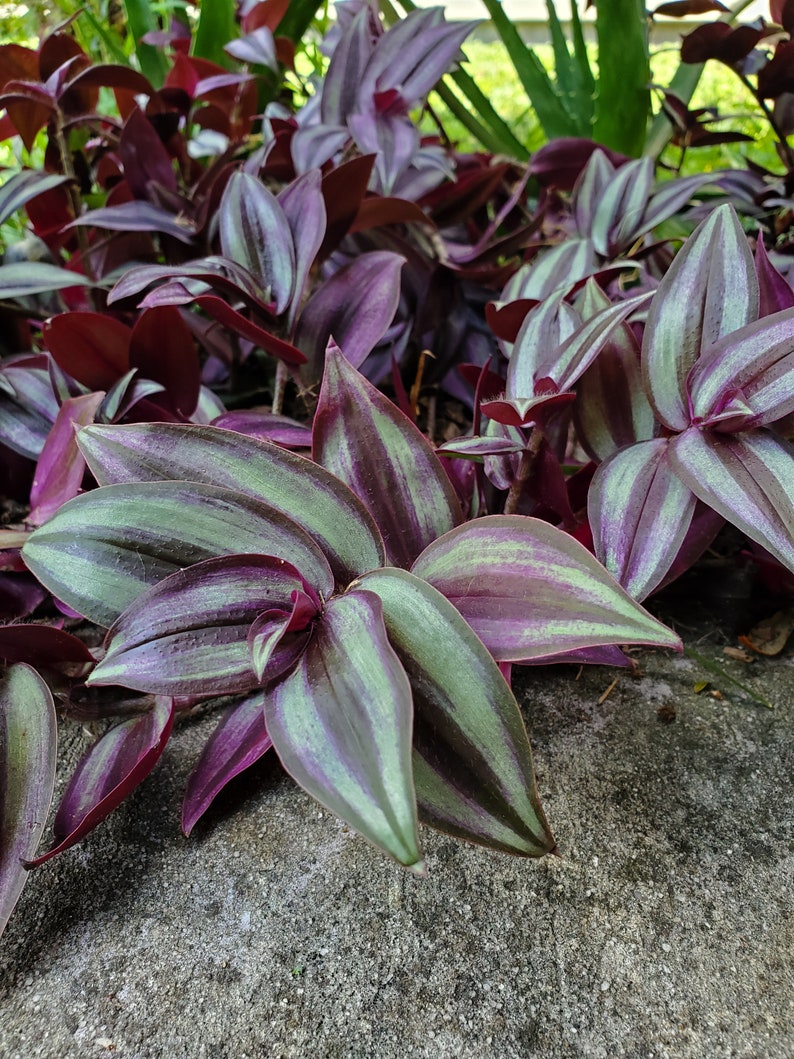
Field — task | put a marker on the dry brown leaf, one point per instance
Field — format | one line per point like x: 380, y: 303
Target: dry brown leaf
x: 738, y: 654
x: 771, y: 635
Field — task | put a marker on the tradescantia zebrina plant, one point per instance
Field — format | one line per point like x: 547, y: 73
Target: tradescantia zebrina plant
x: 345, y: 597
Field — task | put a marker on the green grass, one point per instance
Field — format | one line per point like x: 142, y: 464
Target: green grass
x: 719, y: 87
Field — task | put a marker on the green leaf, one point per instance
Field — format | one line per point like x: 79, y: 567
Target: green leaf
x: 472, y: 761
x: 623, y: 100
x: 216, y: 27
x: 142, y: 19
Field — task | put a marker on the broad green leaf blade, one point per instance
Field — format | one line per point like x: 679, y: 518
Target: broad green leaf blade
x: 529, y: 590
x: 109, y: 771
x: 299, y: 488
x: 239, y: 740
x: 623, y: 100
x: 216, y: 27
x: 472, y: 761
x: 24, y: 278
x: 758, y: 361
x: 142, y: 19
x: 256, y: 234
x: 28, y: 744
x: 362, y: 438
x: 747, y: 478
x: 188, y: 634
x: 709, y: 290
x: 341, y: 725
x: 639, y: 511
x: 102, y: 549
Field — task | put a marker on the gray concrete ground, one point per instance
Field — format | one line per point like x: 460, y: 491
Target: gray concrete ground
x: 666, y: 930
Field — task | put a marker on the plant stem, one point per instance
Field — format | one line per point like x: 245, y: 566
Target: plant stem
x: 279, y: 386
x: 524, y: 471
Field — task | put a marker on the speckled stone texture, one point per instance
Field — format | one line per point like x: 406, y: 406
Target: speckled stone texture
x: 665, y: 930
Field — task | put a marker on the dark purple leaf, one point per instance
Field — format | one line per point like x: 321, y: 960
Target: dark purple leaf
x: 267, y: 426
x: 775, y: 292
x: 304, y: 208
x: 61, y: 465
x: 110, y: 770
x: 239, y: 741
x: 139, y: 217
x: 354, y: 308
x: 92, y: 347
x: 45, y: 647
x: 162, y: 348
x: 145, y: 160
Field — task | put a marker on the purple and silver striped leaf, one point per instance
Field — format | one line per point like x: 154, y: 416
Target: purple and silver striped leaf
x: 188, y: 634
x: 639, y: 511
x: 28, y: 744
x: 588, y: 189
x: 304, y: 208
x: 139, y: 216
x: 299, y: 488
x: 21, y: 279
x: 109, y: 771
x: 267, y: 426
x: 543, y: 331
x: 758, y: 362
x: 612, y: 409
x: 709, y: 291
x: 362, y: 438
x: 278, y: 637
x: 102, y: 549
x: 24, y: 186
x: 472, y: 761
x: 341, y: 725
x: 620, y: 207
x: 239, y: 741
x: 215, y: 272
x: 354, y: 307
x: 529, y: 590
x: 747, y: 478
x: 255, y: 233
x: 61, y: 466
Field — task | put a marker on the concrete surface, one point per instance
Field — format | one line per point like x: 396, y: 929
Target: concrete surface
x: 666, y: 930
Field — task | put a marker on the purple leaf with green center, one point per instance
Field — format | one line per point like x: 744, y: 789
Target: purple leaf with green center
x: 110, y: 770
x: 354, y: 307
x: 620, y: 206
x: 754, y: 364
x: 188, y: 634
x: 709, y: 291
x: 529, y: 590
x: 747, y: 478
x: 28, y: 744
x: 297, y: 487
x: 256, y: 234
x: 239, y: 741
x: 362, y: 438
x: 101, y: 550
x: 472, y: 762
x: 60, y: 468
x: 341, y: 726
x: 640, y: 512
x: 277, y: 637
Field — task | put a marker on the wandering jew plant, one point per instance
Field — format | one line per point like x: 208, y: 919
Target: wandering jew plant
x: 364, y: 625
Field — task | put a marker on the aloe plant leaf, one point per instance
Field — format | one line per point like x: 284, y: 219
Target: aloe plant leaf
x: 758, y: 361
x: 639, y: 511
x: 28, y: 744
x: 366, y: 441
x: 256, y: 234
x: 622, y: 104
x: 102, y: 549
x: 529, y: 590
x: 746, y: 478
x: 188, y: 634
x: 341, y: 726
x: 294, y: 485
x: 709, y: 291
x: 472, y: 761
x: 109, y: 771
x: 239, y: 740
